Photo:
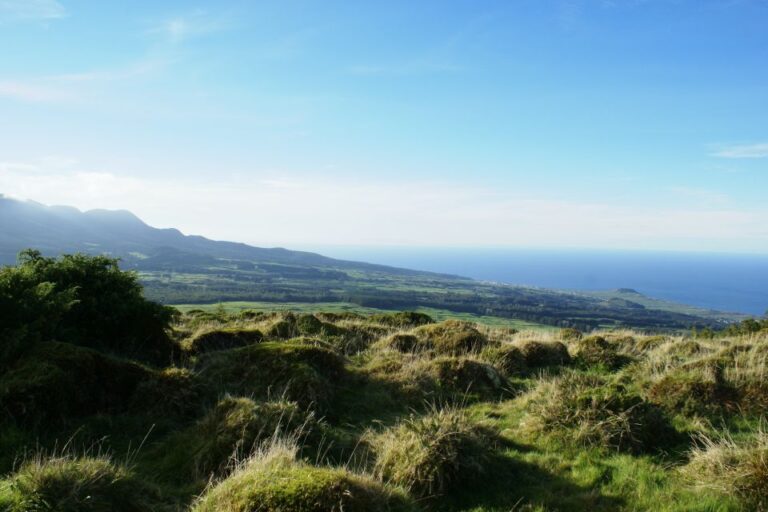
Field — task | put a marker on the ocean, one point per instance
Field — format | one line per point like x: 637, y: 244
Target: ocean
x: 725, y: 282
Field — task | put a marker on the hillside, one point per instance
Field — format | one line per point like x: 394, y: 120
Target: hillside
x: 109, y: 402
x: 177, y: 268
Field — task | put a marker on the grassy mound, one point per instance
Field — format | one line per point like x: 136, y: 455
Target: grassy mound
x: 76, y: 484
x: 222, y: 339
x: 596, y: 350
x: 694, y: 392
x: 57, y: 381
x: 508, y: 359
x: 449, y: 377
x: 732, y: 468
x: 450, y: 337
x: 592, y: 411
x: 431, y: 453
x: 542, y: 353
x: 175, y: 392
x: 304, y: 372
x: 231, y: 429
x: 274, y: 481
x: 402, y: 319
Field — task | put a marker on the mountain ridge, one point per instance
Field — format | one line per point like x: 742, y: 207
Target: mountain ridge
x: 186, y: 269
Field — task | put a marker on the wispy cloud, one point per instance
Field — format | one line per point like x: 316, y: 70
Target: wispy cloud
x: 33, y: 92
x: 313, y: 211
x: 75, y: 87
x: 27, y: 10
x: 759, y: 150
x: 197, y: 23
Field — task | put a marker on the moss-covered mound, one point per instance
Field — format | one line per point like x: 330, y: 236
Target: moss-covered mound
x: 593, y: 411
x: 449, y: 338
x: 59, y: 381
x: 231, y: 430
x: 432, y: 453
x: 76, y: 484
x: 171, y: 392
x: 222, y: 339
x: 300, y: 371
x: 276, y: 482
x: 542, y: 353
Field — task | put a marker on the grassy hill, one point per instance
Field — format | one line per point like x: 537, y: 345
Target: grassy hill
x: 109, y: 402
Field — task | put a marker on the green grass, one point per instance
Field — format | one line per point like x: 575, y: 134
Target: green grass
x: 346, y: 307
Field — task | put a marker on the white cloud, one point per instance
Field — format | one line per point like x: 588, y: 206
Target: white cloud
x: 20, y: 10
x: 744, y: 151
x: 197, y: 23
x: 289, y: 211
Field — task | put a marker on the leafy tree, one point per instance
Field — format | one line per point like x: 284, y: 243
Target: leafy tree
x: 80, y: 299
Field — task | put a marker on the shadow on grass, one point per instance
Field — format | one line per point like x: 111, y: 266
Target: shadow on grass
x: 508, y: 483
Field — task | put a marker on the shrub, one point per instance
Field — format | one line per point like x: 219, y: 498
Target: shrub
x: 222, y: 339
x: 732, y: 468
x: 86, y: 300
x: 230, y: 430
x: 76, y: 484
x: 272, y: 480
x: 592, y: 411
x: 305, y: 372
x: 541, y: 353
x: 428, y: 454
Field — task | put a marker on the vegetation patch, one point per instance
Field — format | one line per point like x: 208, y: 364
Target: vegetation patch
x: 542, y: 353
x: 76, y: 484
x: 222, y: 339
x: 596, y: 350
x: 591, y: 410
x: 732, y: 468
x: 693, y: 393
x: 507, y: 358
x: 55, y: 381
x: 230, y: 431
x: 429, y: 454
x: 300, y: 371
x: 272, y: 480
x: 450, y: 337
x: 402, y: 319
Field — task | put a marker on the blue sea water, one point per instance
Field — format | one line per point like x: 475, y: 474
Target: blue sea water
x: 726, y: 282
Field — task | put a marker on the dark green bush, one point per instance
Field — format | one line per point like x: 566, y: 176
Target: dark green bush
x: 85, y: 300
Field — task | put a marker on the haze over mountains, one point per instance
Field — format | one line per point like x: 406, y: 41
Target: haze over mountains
x: 181, y: 269
x: 64, y: 229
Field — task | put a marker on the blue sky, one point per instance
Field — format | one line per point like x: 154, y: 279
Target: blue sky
x: 539, y: 123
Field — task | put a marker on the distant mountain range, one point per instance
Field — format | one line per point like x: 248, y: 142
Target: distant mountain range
x: 63, y: 229
x: 177, y: 268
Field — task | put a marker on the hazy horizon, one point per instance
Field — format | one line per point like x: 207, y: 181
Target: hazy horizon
x: 632, y: 125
